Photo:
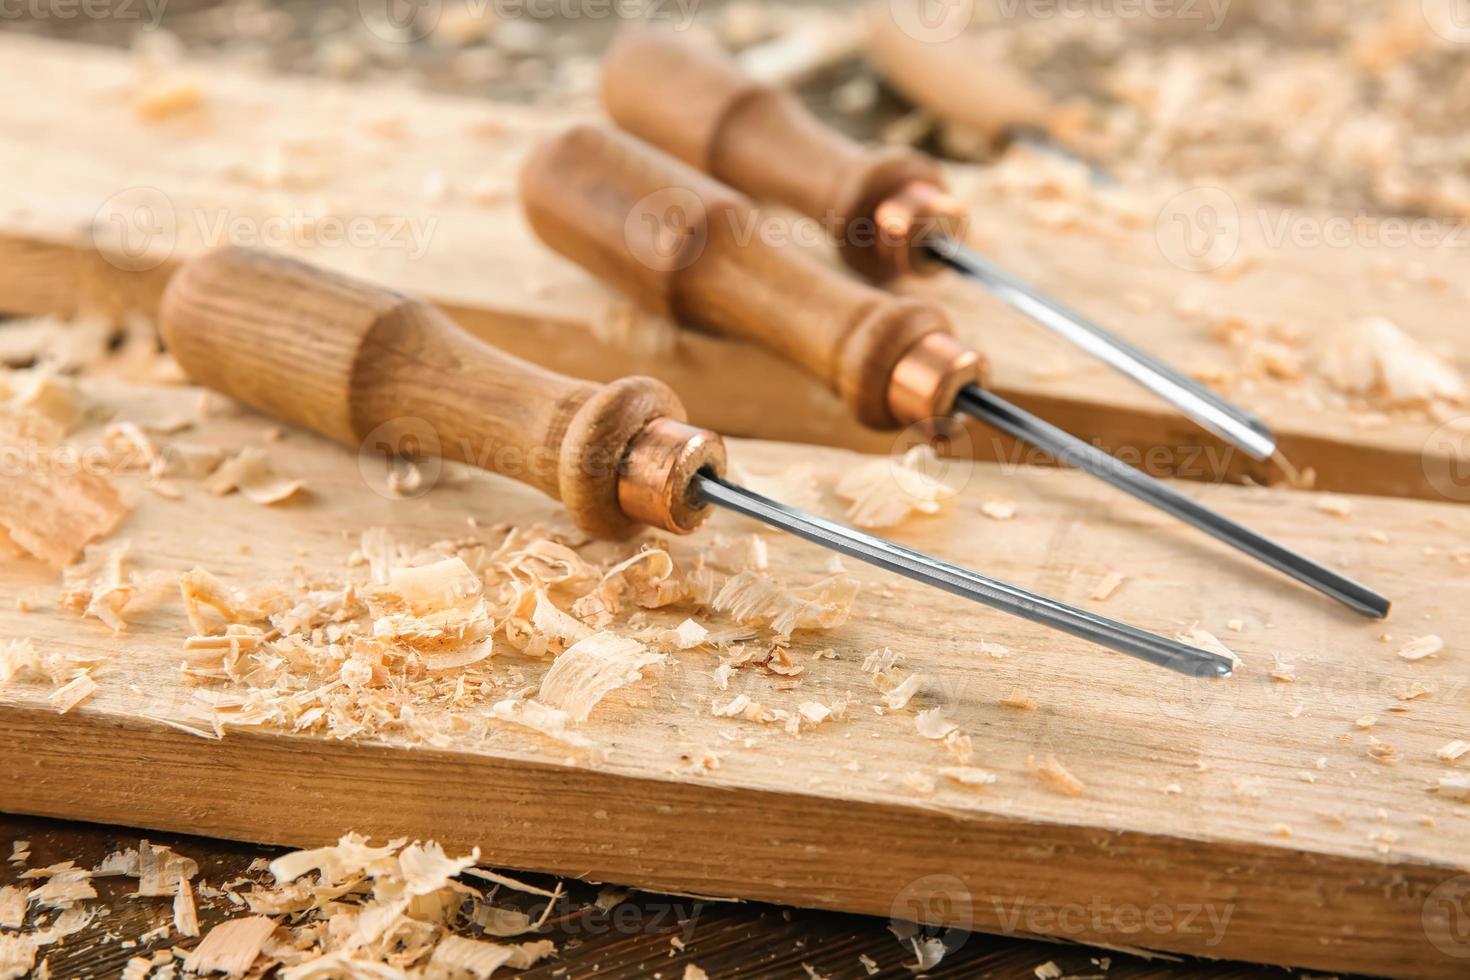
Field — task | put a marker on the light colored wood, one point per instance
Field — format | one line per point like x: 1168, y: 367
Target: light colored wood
x: 691, y: 248
x: 755, y: 137
x: 264, y: 151
x: 379, y: 371
x: 958, y: 76
x: 1188, y: 786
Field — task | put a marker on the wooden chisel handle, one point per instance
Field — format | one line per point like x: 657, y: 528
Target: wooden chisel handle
x: 356, y: 362
x: 690, y: 99
x: 686, y: 246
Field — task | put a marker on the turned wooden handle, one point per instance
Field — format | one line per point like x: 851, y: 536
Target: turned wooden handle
x: 689, y: 98
x: 686, y: 246
x: 358, y: 363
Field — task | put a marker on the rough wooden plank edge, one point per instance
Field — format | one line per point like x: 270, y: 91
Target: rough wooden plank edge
x: 976, y: 874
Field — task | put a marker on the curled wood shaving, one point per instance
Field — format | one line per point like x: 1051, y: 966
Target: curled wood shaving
x: 1421, y: 648
x: 456, y: 956
x: 591, y: 669
x: 551, y: 722
x: 250, y: 473
x: 231, y: 947
x: 932, y: 723
x: 1208, y: 641
x: 1374, y: 358
x: 898, y: 698
x: 754, y: 599
x: 1052, y: 773
x: 886, y: 492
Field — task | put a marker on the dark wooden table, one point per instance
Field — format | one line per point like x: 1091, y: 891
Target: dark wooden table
x: 639, y: 937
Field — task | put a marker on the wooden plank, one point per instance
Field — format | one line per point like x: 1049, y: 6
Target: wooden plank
x: 634, y: 939
x: 1248, y: 814
x: 428, y: 181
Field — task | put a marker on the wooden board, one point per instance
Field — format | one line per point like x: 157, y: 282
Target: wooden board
x: 1242, y: 819
x: 428, y: 183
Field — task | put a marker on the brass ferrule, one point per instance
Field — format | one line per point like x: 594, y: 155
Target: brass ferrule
x: 662, y: 459
x: 929, y: 376
x: 920, y: 212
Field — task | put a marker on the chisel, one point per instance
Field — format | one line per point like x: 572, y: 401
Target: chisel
x: 686, y: 246
x: 887, y: 209
x: 350, y: 360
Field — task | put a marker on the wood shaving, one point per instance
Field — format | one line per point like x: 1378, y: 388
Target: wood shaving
x: 692, y: 972
x: 898, y: 697
x: 1421, y: 648
x: 967, y: 775
x: 997, y: 509
x: 456, y: 956
x: 1019, y: 699
x: 1452, y: 751
x: 1336, y: 506
x: 167, y: 98
x: 52, y: 507
x: 1048, y: 971
x: 1375, y: 359
x: 932, y: 724
x: 1455, y: 787
x: 754, y: 599
x: 250, y: 473
x: 1209, y: 642
x: 186, y: 918
x: 884, y: 493
x: 17, y: 956
x: 73, y: 693
x: 551, y: 722
x: 591, y: 669
x: 12, y: 907
x: 231, y: 947
x: 1108, y: 587
x: 1052, y: 773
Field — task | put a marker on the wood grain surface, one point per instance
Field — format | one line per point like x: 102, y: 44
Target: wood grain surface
x: 641, y: 936
x: 416, y: 192
x: 1247, y: 817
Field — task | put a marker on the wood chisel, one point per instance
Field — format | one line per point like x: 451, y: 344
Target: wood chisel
x: 349, y: 360
x: 887, y: 209
x: 686, y: 246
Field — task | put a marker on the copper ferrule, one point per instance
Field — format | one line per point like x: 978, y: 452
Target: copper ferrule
x: 919, y: 213
x: 928, y: 378
x: 654, y: 480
